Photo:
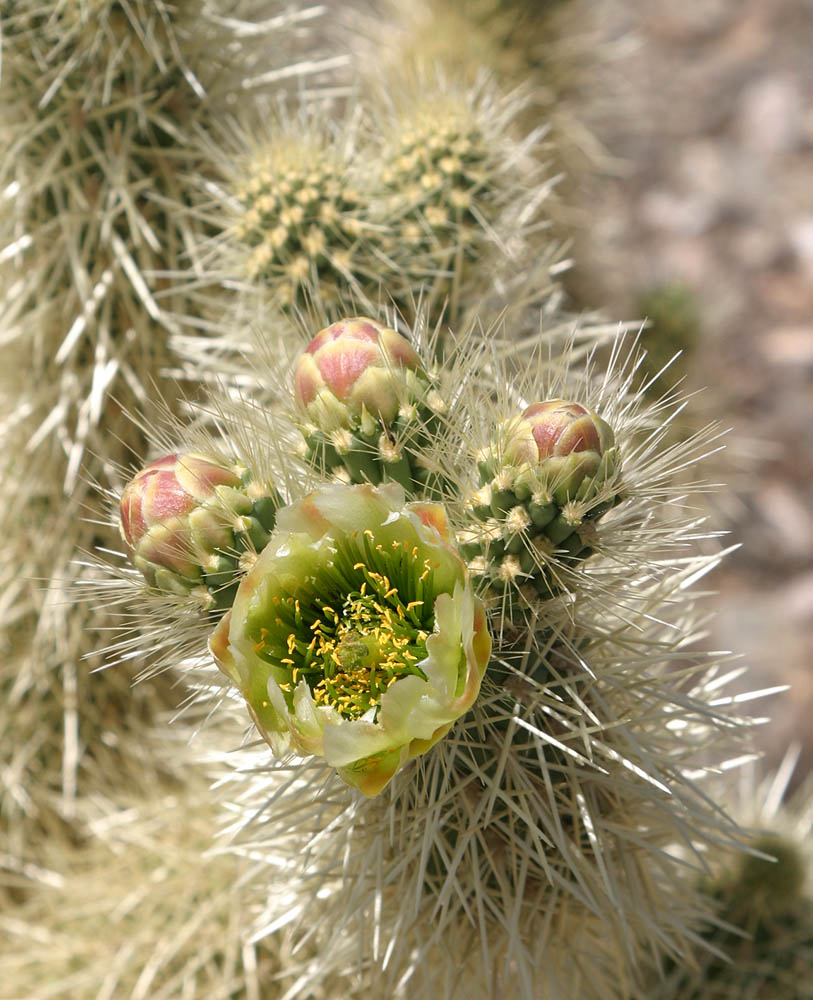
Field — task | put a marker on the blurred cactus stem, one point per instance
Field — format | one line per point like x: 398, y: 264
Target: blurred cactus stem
x: 760, y: 944
x: 672, y: 335
x: 194, y: 525
x: 370, y: 407
x: 766, y: 884
x: 548, y: 476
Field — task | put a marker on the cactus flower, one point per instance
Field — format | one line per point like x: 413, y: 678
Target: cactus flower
x: 356, y: 636
x: 558, y: 445
x: 187, y: 518
x: 551, y: 472
x: 367, y: 403
x: 353, y: 366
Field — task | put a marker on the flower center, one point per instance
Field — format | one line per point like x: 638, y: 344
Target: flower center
x: 365, y: 649
x: 361, y: 627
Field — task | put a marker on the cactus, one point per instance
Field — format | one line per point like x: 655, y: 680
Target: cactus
x: 550, y: 52
x: 759, y: 940
x: 557, y: 790
x: 551, y: 473
x: 673, y: 329
x: 410, y: 205
x: 191, y: 521
x: 99, y: 103
x: 134, y: 909
x: 461, y: 618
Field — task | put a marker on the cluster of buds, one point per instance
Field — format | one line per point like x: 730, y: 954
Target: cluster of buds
x: 194, y: 524
x: 369, y: 406
x: 550, y: 473
x: 442, y: 190
x: 437, y: 172
x: 440, y: 173
x: 351, y: 624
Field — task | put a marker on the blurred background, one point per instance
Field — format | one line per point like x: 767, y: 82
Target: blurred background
x: 705, y: 116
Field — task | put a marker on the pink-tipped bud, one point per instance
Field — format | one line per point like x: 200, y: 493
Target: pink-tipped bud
x: 156, y: 509
x: 187, y: 516
x: 168, y: 488
x: 549, y: 474
x: 554, y: 429
x: 353, y: 366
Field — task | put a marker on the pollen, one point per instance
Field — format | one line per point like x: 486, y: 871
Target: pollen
x: 352, y: 647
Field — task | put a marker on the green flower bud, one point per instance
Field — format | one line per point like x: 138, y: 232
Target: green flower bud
x: 550, y: 473
x: 187, y: 519
x: 368, y: 403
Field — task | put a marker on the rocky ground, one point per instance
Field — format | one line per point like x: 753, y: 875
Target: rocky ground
x: 707, y: 120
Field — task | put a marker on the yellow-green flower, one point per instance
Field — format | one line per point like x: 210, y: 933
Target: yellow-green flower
x: 356, y: 636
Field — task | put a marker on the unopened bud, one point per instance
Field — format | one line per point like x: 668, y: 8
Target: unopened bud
x: 364, y: 395
x: 549, y: 475
x: 187, y: 518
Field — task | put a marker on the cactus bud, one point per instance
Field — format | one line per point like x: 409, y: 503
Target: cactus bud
x: 187, y: 519
x: 550, y: 473
x: 367, y: 401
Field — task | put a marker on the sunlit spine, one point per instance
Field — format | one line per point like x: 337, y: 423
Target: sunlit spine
x: 99, y: 104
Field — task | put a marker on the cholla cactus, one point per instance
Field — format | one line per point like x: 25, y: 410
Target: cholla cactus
x: 760, y: 939
x: 541, y: 817
x: 139, y: 903
x: 99, y: 102
x: 521, y: 809
x: 465, y: 798
x: 551, y: 49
